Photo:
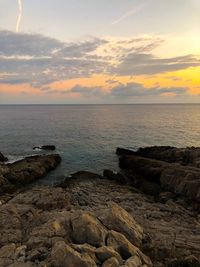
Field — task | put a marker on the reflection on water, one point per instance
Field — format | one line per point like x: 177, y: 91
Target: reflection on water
x: 86, y: 136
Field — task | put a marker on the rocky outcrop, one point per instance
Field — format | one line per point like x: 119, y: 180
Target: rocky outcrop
x: 92, y: 220
x: 25, y: 171
x: 2, y: 158
x: 61, y: 234
x: 181, y: 180
x: 184, y: 156
x: 170, y: 230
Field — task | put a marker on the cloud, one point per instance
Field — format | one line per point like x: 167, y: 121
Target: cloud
x: 143, y: 63
x: 32, y: 45
x: 85, y: 91
x: 128, y: 91
x: 128, y: 14
x: 38, y: 60
x: 132, y: 90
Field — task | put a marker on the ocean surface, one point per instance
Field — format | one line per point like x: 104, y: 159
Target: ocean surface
x: 86, y: 136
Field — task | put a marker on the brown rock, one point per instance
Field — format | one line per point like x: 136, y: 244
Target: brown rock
x: 44, y: 198
x: 112, y: 262
x: 87, y: 229
x: 25, y: 171
x: 125, y: 248
x: 120, y: 178
x: 65, y: 256
x: 133, y: 262
x: 106, y: 252
x: 24, y: 264
x: 184, y: 156
x: 31, y: 168
x: 182, y: 180
x: 86, y: 249
x: 116, y: 218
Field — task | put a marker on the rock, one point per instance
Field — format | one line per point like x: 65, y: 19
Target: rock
x: 44, y: 198
x: 112, y: 262
x: 7, y: 254
x: 133, y: 261
x: 2, y: 158
x: 122, y: 151
x: 37, y: 254
x: 93, y: 221
x: 148, y: 168
x: 64, y: 256
x: 115, y: 176
x: 10, y: 230
x: 104, y: 253
x: 189, y: 261
x: 11, y: 253
x: 32, y: 168
x: 86, y: 249
x: 116, y: 218
x: 27, y: 170
x: 181, y: 180
x: 44, y: 234
x: 149, y: 188
x: 184, y: 156
x: 5, y: 185
x: 24, y: 264
x: 125, y: 248
x: 80, y: 176
x: 87, y: 229
x: 20, y: 253
x: 45, y: 147
x: 165, y: 196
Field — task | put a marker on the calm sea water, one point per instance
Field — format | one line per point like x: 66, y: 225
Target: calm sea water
x: 86, y: 136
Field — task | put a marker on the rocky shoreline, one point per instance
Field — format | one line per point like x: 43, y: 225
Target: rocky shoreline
x: 145, y: 215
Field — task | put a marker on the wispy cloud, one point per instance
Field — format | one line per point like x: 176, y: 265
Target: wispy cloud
x: 19, y: 15
x: 128, y: 14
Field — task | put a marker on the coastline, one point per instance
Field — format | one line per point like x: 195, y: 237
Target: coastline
x: 145, y: 215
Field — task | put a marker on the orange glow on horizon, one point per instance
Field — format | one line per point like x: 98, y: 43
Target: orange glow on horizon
x: 189, y: 78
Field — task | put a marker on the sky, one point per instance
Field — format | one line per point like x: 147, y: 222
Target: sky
x: 99, y: 51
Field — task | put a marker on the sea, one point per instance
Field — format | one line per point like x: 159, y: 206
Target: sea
x: 86, y: 136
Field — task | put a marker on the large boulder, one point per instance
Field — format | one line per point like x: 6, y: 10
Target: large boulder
x: 116, y: 218
x: 32, y: 168
x: 25, y: 171
x: 87, y: 229
x: 125, y: 248
x: 65, y: 256
x: 112, y: 262
x: 104, y: 253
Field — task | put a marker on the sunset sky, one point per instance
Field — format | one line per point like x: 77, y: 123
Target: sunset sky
x: 99, y: 51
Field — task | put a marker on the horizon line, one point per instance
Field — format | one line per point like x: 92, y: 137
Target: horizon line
x: 95, y: 104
